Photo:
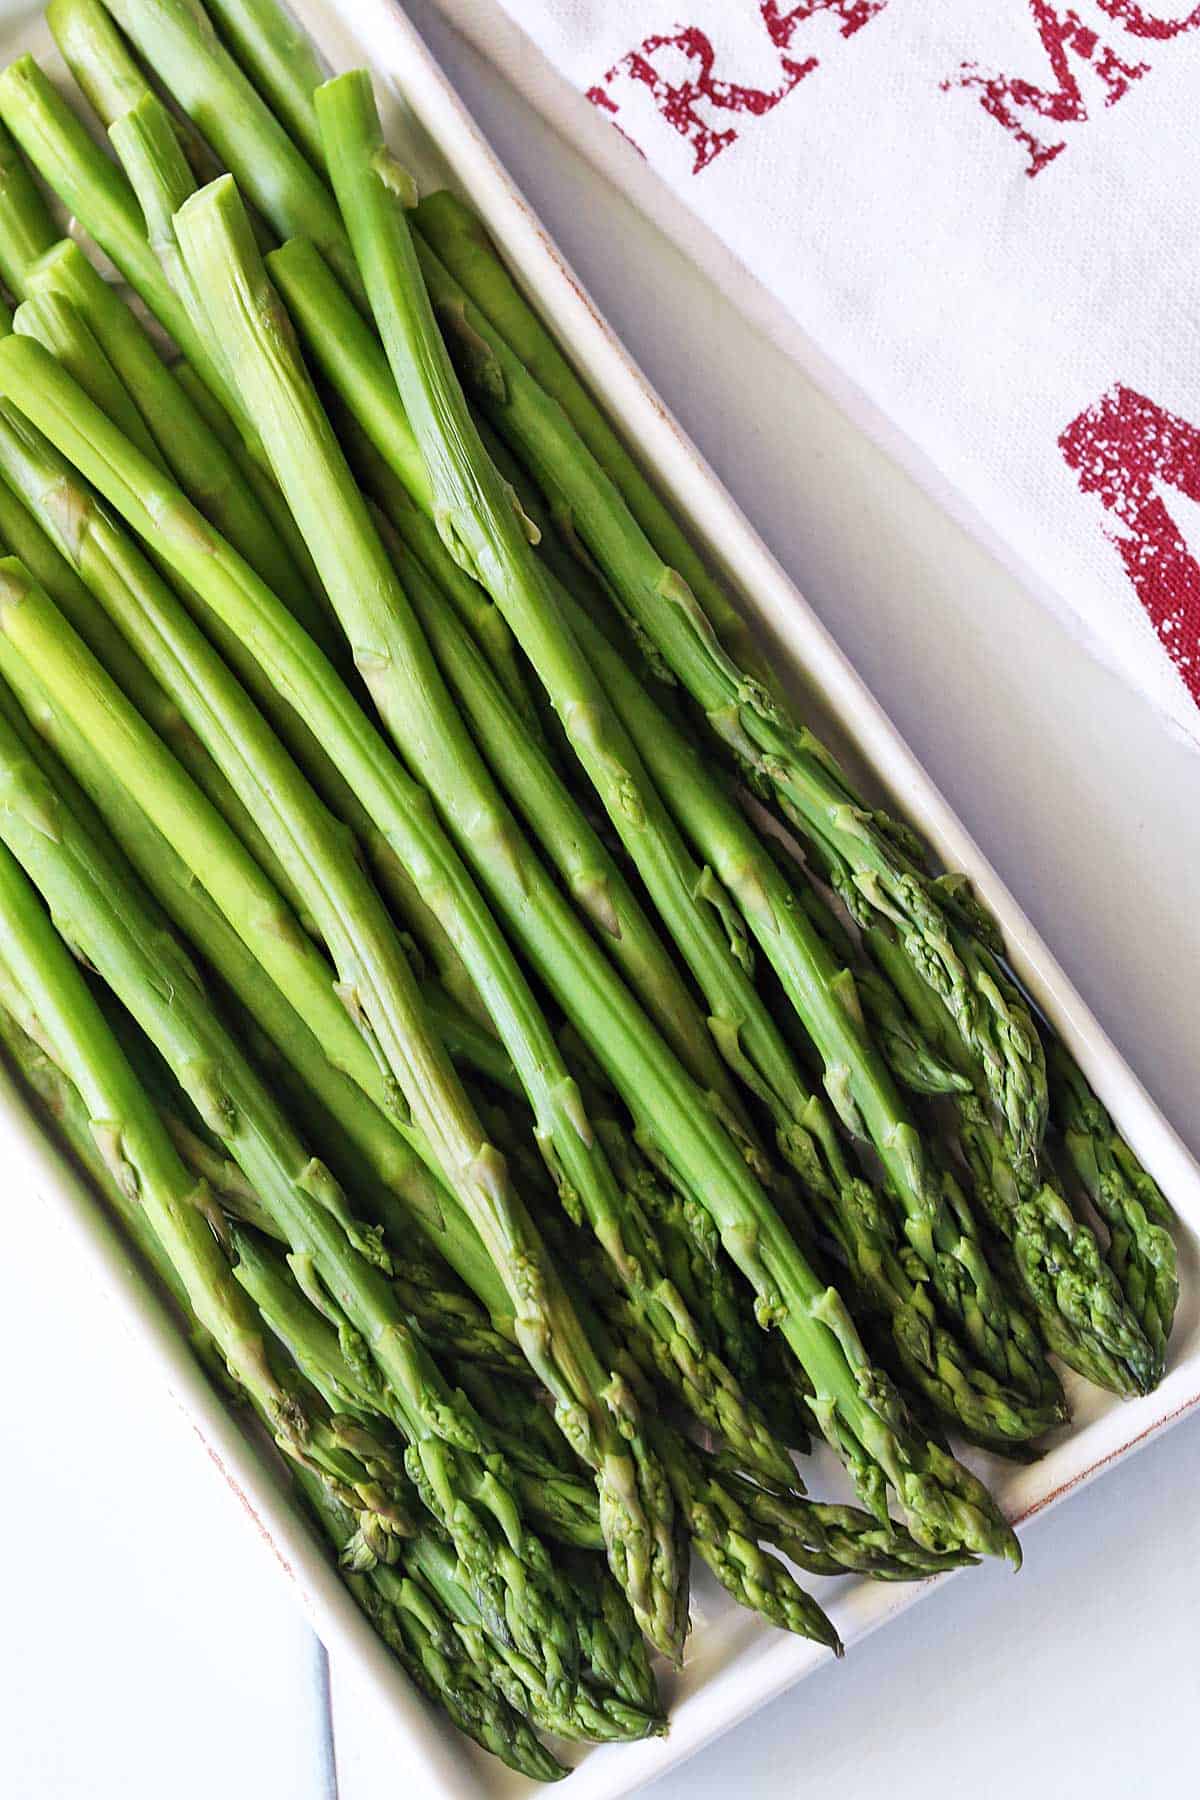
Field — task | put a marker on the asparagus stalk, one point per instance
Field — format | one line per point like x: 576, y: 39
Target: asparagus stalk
x: 860, y: 1414
x: 636, y: 1505
x: 625, y: 1045
x: 604, y: 896
x: 554, y: 1495
x: 906, y: 1049
x: 440, y: 1311
x: 98, y: 195
x: 589, y: 871
x: 563, y: 1504
x: 109, y: 76
x: 612, y: 1647
x: 281, y: 61
x: 824, y: 1341
x: 1080, y: 1309
x: 824, y: 995
x: 97, y: 900
x: 28, y: 229
x: 467, y: 1680
x: 869, y: 860
x: 462, y: 245
x: 353, y: 363
x: 475, y: 514
x: 67, y: 271
x: 36, y: 264
x: 354, y: 1548
x: 176, y: 38
x: 1140, y: 1250
x: 826, y: 1539
x: 181, y: 439
x: 144, y: 1165
x: 56, y: 323
x: 51, y: 526
x: 59, y: 1103
x: 415, y: 526
x: 505, y: 1732
x: 470, y: 1684
x: 197, y: 453
x: 391, y: 1168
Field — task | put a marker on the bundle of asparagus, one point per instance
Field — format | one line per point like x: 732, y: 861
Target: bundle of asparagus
x: 545, y: 1088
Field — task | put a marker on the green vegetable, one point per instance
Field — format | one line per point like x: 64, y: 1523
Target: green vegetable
x: 869, y: 860
x: 96, y: 900
x: 1080, y: 1309
x: 637, y: 1505
x: 143, y: 1164
x: 745, y: 1217
x: 1140, y: 1251
x: 176, y: 38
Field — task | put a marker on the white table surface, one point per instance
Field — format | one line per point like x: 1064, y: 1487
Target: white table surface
x: 149, y: 1647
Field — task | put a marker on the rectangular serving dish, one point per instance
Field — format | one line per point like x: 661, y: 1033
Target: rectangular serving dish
x: 734, y: 1662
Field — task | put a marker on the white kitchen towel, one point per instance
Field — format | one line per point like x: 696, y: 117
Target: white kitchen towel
x: 983, y: 219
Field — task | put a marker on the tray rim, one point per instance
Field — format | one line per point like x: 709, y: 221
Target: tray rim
x: 768, y: 1662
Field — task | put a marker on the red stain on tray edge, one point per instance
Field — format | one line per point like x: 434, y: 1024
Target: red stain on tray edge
x: 1116, y: 1455
x: 247, y: 1504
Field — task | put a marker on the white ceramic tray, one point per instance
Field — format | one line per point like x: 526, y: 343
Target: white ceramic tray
x: 734, y: 1663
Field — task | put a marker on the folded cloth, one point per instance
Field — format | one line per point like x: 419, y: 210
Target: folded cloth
x: 980, y: 225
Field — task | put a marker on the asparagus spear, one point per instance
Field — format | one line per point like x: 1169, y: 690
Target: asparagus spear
x: 147, y: 1171
x: 696, y: 1138
x: 176, y: 38
x: 562, y: 1504
x: 470, y: 1684
x: 461, y: 243
x: 51, y: 488
x: 391, y: 1168
x: 289, y: 73
x: 906, y: 1049
x: 48, y: 528
x: 109, y: 76
x: 727, y: 839
x: 555, y: 1496
x: 36, y: 264
x: 58, y: 1102
x: 503, y: 1730
x: 869, y: 862
x: 280, y: 59
x: 28, y: 229
x: 55, y: 322
x: 475, y: 514
x: 824, y: 995
x: 603, y: 894
x: 466, y: 1680
x: 613, y: 1650
x: 608, y: 1715
x: 97, y: 900
x: 69, y: 154
x: 1141, y: 1251
x: 439, y: 1310
x: 181, y: 438
x: 1078, y: 1301
x: 354, y: 562
x: 860, y: 1413
x: 353, y: 363
x: 98, y: 195
x: 637, y: 1507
